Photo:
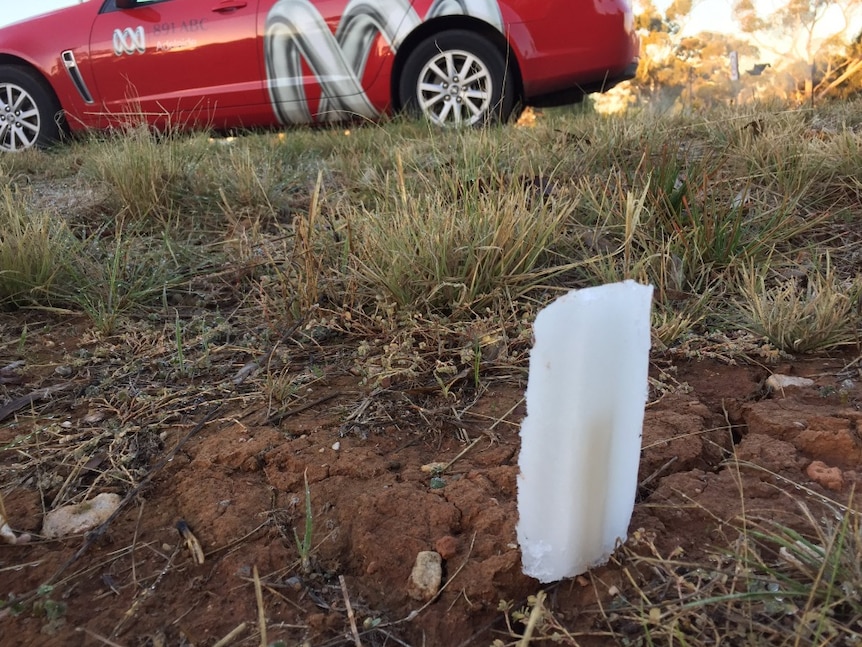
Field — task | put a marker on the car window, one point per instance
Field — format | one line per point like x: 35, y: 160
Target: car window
x: 111, y: 5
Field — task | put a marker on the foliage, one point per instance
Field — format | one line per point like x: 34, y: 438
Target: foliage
x: 799, y: 31
x: 32, y: 247
x: 451, y: 224
x: 450, y: 243
x: 840, y: 75
x: 792, y: 50
x: 806, y: 311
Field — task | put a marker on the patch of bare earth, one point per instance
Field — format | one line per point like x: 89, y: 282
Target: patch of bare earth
x: 238, y: 482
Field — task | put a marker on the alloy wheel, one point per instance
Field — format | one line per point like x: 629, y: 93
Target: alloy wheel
x: 455, y: 88
x: 20, y: 122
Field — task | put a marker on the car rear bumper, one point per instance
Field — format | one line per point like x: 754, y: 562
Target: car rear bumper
x: 576, y: 93
x: 582, y: 48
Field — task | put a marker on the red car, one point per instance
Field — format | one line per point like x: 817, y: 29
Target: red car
x: 254, y: 63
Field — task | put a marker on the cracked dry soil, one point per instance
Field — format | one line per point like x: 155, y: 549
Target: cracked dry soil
x: 238, y: 483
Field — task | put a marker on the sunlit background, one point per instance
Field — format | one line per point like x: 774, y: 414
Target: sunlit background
x: 702, y: 52
x: 714, y: 15
x: 15, y: 11
x: 706, y: 15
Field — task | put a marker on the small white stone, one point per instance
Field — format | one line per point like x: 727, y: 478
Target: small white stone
x: 94, y: 418
x: 426, y: 576
x: 80, y: 517
x: 777, y: 382
x: 336, y: 446
x: 6, y: 533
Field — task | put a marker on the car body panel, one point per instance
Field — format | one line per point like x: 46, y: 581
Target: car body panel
x: 38, y: 43
x: 197, y: 59
x: 551, y: 51
x: 322, y: 58
x: 234, y: 63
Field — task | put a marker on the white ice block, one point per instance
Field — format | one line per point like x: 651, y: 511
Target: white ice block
x: 581, y: 439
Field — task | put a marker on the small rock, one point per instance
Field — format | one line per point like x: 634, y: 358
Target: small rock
x: 10, y: 537
x: 828, y: 477
x: 447, y: 547
x: 81, y: 517
x: 778, y: 382
x: 94, y: 418
x: 426, y: 576
x: 294, y: 583
x: 6, y: 533
x: 436, y: 483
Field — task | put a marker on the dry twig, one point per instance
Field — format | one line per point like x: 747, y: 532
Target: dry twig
x: 233, y: 635
x: 350, y: 615
x: 261, y: 612
x: 39, y: 394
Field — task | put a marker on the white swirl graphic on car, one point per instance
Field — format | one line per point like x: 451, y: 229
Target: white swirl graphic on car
x: 296, y: 32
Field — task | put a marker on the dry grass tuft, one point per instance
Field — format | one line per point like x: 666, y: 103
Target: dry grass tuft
x: 32, y: 248
x: 442, y: 243
x: 808, y: 312
x: 770, y: 585
x: 150, y: 176
x: 773, y: 585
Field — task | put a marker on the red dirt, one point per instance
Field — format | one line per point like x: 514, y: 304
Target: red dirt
x: 239, y: 485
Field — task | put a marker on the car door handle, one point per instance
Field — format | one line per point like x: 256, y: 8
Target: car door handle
x: 229, y: 5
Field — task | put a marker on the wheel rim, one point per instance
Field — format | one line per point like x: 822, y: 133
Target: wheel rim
x: 20, y: 122
x: 455, y: 88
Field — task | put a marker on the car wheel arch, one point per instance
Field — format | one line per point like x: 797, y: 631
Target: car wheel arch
x: 26, y: 66
x: 36, y: 76
x: 450, y: 23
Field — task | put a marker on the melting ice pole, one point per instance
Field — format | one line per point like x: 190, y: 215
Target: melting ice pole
x: 581, y: 439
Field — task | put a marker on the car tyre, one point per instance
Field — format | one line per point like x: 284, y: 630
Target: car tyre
x: 30, y: 114
x: 457, y: 78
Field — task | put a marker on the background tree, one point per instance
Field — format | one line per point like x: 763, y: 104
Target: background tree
x: 708, y: 55
x: 662, y: 75
x: 841, y: 75
x: 681, y: 70
x: 799, y: 30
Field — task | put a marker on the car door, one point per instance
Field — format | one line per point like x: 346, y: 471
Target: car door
x: 322, y: 56
x: 193, y: 60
